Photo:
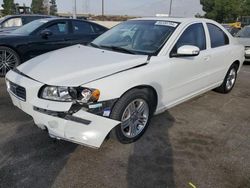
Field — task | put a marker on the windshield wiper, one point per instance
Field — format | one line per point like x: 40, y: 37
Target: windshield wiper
x: 94, y: 45
x: 117, y: 48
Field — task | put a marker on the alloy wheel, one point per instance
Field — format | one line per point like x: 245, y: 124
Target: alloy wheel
x: 135, y: 118
x: 8, y: 61
x: 231, y: 79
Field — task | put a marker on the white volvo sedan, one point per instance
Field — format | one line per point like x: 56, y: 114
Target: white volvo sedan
x: 114, y: 86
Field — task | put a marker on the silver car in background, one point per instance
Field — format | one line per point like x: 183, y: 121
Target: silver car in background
x: 243, y: 37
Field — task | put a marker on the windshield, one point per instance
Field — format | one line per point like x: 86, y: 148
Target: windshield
x: 30, y: 27
x: 244, y: 33
x: 137, y: 36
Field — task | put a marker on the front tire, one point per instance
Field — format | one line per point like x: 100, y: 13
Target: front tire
x: 9, y: 59
x: 229, y: 80
x: 134, y: 109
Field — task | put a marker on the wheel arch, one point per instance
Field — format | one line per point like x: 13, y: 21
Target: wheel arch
x: 152, y: 92
x: 237, y: 63
x: 12, y: 48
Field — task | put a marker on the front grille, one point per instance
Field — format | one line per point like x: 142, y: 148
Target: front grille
x: 18, y: 91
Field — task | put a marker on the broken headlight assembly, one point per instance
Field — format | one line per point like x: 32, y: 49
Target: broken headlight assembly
x: 69, y: 94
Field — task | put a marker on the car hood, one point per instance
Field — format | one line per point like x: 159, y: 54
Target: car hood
x: 244, y: 41
x: 77, y: 65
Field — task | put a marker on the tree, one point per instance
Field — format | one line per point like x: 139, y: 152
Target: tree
x: 53, y: 7
x: 223, y: 10
x: 198, y: 15
x: 245, y: 8
x: 208, y: 5
x: 37, y: 7
x: 8, y: 7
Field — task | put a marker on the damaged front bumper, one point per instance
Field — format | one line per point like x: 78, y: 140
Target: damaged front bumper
x: 85, y: 126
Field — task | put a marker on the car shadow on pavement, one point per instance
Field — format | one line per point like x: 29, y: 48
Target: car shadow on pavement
x: 31, y: 159
x: 151, y: 161
x: 28, y: 157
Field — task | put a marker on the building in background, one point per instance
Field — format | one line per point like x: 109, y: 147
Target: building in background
x: 245, y: 20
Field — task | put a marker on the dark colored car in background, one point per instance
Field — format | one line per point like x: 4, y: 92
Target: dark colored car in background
x: 44, y: 35
x: 10, y: 23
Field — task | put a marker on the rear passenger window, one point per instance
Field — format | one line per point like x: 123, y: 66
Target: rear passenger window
x: 80, y: 27
x: 194, y: 35
x: 217, y: 36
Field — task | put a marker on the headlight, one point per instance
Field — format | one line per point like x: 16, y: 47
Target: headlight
x: 56, y: 93
x: 68, y: 94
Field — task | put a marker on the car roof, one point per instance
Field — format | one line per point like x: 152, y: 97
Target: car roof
x: 56, y: 18
x: 174, y: 19
x: 28, y: 15
x: 51, y: 19
x: 62, y: 18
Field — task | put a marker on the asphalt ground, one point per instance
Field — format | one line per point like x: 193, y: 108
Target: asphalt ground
x: 201, y: 143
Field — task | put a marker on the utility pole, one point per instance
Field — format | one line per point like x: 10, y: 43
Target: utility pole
x: 170, y: 8
x: 74, y: 9
x: 49, y: 4
x: 46, y: 6
x: 102, y: 7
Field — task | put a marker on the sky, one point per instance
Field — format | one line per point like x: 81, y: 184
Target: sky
x: 182, y: 8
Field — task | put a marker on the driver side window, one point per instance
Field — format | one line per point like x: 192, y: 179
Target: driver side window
x: 194, y: 35
x: 60, y: 28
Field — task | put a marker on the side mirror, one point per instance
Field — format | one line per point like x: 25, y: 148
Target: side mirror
x: 46, y: 33
x: 187, y: 51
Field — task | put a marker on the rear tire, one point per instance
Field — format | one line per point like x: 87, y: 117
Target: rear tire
x: 9, y: 59
x: 229, y: 81
x: 134, y: 109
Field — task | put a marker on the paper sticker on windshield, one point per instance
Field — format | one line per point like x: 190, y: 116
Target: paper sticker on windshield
x: 166, y: 23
